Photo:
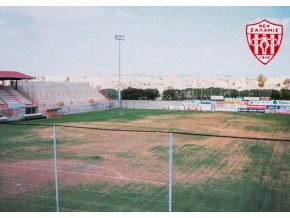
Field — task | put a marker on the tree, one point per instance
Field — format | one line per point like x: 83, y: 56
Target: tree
x: 151, y: 94
x: 234, y: 93
x: 168, y: 94
x: 189, y: 94
x: 276, y: 94
x: 285, y: 94
x: 261, y: 80
x: 137, y: 94
x: 172, y: 94
x: 256, y: 92
x: 131, y: 93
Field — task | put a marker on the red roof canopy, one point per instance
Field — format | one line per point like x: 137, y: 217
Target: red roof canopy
x: 13, y: 75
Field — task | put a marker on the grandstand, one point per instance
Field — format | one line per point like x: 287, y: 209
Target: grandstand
x: 13, y: 104
x: 21, y: 98
x: 69, y: 97
x: 9, y: 95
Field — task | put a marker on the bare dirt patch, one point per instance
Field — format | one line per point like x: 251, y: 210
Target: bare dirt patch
x: 279, y: 148
x: 26, y: 176
x: 234, y: 160
x: 79, y: 149
x: 215, y: 123
x: 77, y: 164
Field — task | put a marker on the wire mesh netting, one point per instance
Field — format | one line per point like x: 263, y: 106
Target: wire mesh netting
x: 111, y: 170
x: 224, y: 174
x: 119, y: 170
x: 26, y: 169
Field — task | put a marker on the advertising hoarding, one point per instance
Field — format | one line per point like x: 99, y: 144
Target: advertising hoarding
x: 217, y: 98
x: 257, y: 106
x: 251, y: 98
x: 251, y: 110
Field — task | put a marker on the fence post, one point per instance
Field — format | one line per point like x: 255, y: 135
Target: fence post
x: 55, y: 168
x: 170, y: 170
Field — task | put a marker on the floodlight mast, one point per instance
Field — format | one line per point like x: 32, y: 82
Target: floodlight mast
x: 119, y: 38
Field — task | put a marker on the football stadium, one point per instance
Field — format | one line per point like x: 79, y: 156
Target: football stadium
x: 66, y: 146
x: 144, y: 109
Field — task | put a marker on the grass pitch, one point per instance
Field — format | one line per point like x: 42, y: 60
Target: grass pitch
x: 123, y: 171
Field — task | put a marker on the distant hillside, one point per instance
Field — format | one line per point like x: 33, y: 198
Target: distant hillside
x: 178, y: 82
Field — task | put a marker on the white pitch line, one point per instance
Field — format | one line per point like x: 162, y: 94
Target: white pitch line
x: 91, y: 174
x: 122, y: 177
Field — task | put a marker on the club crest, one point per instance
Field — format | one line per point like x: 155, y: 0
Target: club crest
x: 264, y: 39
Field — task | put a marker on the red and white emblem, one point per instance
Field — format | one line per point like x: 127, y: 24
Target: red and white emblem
x: 264, y: 39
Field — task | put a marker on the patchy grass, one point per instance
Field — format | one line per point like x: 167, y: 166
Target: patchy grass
x: 259, y: 128
x: 276, y: 122
x: 214, y: 195
x: 91, y: 159
x: 190, y: 157
x: 23, y: 143
x: 262, y: 183
x: 119, y: 115
x: 160, y: 152
x: 265, y: 163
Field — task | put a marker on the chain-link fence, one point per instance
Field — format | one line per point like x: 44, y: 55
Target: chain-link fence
x: 71, y: 168
x: 86, y: 107
x: 26, y: 168
x: 103, y: 170
x: 228, y: 174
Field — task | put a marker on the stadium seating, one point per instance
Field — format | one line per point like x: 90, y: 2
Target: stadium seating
x: 67, y: 94
x: 8, y: 95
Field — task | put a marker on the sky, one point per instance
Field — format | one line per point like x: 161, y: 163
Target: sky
x: 200, y: 41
